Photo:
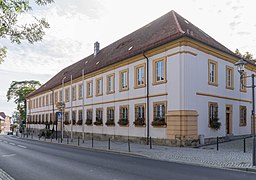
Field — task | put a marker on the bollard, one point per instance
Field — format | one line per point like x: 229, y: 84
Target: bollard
x: 61, y: 140
x: 150, y: 142
x: 39, y: 137
x: 244, y: 146
x: 129, y: 147
x: 217, y: 143
x: 51, y: 138
x: 67, y: 140
x: 78, y: 143
x: 27, y: 135
x: 92, y: 141
x: 108, y: 143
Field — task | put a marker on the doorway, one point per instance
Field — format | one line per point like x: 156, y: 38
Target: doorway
x: 229, y: 119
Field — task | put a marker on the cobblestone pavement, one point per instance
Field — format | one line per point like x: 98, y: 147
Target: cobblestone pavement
x: 4, y: 175
x: 229, y: 155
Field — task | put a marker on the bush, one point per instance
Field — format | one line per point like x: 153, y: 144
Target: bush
x: 123, y: 122
x: 139, y: 122
x: 159, y: 121
x: 215, y: 124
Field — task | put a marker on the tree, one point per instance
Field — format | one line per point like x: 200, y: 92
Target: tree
x: 18, y: 92
x: 10, y: 11
x: 247, y: 55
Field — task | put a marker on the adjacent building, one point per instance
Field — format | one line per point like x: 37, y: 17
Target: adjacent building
x: 168, y: 80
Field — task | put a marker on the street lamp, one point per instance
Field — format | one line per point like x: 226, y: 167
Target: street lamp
x: 62, y: 108
x: 240, y: 68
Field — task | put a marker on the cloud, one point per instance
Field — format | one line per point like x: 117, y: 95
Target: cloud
x: 234, y: 24
x: 243, y: 33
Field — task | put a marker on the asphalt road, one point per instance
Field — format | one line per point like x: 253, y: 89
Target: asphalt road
x: 25, y: 159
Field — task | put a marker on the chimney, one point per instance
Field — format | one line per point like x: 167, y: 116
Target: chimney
x: 96, y: 48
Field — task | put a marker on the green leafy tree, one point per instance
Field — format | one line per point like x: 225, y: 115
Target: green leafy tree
x: 246, y: 55
x: 10, y: 10
x: 18, y: 92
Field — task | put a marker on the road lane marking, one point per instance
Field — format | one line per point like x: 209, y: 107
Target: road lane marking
x: 22, y: 146
x: 8, y: 155
x: 12, y: 144
x: 5, y: 141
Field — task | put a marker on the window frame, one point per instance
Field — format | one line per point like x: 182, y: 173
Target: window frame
x: 99, y: 88
x: 210, y: 117
x: 127, y: 119
x: 136, y: 85
x: 243, y: 88
x: 121, y: 88
x: 87, y: 89
x: 67, y: 94
x: 73, y: 90
x: 165, y: 109
x: 215, y: 75
x: 108, y: 117
x: 242, y: 122
x: 80, y: 91
x: 155, y: 82
x: 231, y: 80
x: 113, y: 83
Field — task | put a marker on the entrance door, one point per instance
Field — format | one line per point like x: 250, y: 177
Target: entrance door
x: 228, y: 119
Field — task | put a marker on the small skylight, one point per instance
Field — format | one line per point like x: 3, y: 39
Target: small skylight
x: 130, y: 48
x: 97, y: 62
x: 85, y: 62
x: 186, y: 21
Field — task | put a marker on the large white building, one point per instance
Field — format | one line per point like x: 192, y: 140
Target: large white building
x: 167, y: 80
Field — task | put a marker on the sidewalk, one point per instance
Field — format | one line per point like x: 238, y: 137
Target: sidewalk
x: 229, y: 155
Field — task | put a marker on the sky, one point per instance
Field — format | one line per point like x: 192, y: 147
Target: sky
x: 76, y: 25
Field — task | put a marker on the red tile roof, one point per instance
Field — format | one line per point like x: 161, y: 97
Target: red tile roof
x: 165, y: 29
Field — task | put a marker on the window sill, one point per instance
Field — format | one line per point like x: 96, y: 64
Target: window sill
x: 159, y: 82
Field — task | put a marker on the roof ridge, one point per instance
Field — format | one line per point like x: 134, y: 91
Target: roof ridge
x: 177, y: 22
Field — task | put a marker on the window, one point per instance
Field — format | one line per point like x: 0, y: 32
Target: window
x: 213, y: 112
x: 43, y: 101
x: 229, y: 77
x: 159, y: 71
x: 123, y: 80
x: 39, y: 102
x: 123, y: 115
x: 243, y: 114
x: 89, y: 89
x: 60, y: 96
x: 99, y: 87
x: 159, y: 113
x: 67, y: 96
x: 88, y: 117
x: 80, y: 91
x: 55, y: 97
x: 66, y: 118
x: 110, y: 83
x: 47, y: 100
x: 212, y: 73
x: 110, y: 116
x: 139, y: 114
x: 74, y: 117
x: 139, y: 77
x: 99, y: 113
x: 74, y: 93
x: 51, y: 99
x: 80, y: 117
x: 42, y: 118
x: 243, y: 83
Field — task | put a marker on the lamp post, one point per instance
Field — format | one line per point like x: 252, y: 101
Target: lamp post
x: 62, y: 108
x: 240, y: 67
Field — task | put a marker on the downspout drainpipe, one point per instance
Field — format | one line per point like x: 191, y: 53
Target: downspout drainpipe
x: 147, y: 96
x: 53, y: 115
